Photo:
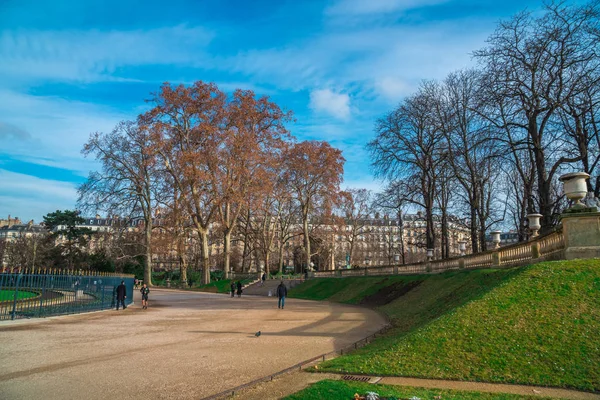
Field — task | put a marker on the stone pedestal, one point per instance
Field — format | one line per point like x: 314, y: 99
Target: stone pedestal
x: 581, y: 231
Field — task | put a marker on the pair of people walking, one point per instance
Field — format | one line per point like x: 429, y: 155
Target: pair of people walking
x: 122, y: 295
x: 233, y: 287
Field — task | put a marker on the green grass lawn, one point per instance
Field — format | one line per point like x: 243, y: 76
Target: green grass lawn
x: 340, y: 390
x: 6, y: 295
x: 535, y: 325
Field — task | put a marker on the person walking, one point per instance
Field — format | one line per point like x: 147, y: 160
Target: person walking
x: 232, y: 287
x: 281, y: 293
x: 264, y: 278
x: 145, y: 290
x: 121, y: 295
x: 239, y: 288
x: 136, y: 283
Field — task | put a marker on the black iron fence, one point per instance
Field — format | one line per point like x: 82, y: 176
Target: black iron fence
x: 34, y: 294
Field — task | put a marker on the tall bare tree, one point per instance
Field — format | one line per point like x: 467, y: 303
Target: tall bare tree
x: 355, y: 207
x: 252, y: 145
x: 127, y: 181
x: 408, y: 148
x: 314, y: 173
x: 187, y: 124
x: 533, y: 66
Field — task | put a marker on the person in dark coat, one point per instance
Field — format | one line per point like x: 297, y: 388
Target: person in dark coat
x: 232, y: 287
x: 281, y: 293
x: 239, y: 288
x: 264, y: 278
x: 121, y: 295
x: 145, y: 291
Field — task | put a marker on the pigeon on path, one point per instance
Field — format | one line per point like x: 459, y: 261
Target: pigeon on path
x: 257, y: 334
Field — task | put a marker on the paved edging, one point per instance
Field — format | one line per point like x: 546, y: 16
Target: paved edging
x: 525, y: 390
x: 295, y: 381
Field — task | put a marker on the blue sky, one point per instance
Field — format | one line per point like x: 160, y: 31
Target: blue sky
x: 70, y: 68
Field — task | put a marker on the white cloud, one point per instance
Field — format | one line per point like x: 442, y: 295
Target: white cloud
x: 58, y: 128
x: 92, y: 55
x: 29, y: 197
x: 362, y: 7
x: 13, y: 132
x: 335, y: 104
x: 384, y: 61
x: 393, y: 88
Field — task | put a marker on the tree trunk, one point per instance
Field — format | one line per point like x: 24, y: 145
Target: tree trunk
x: 445, y: 241
x: 227, y: 251
x: 183, y: 265
x: 245, y: 250
x: 306, y: 244
x: 401, y: 234
x: 148, y: 255
x: 267, y: 260
x: 205, y: 265
x: 474, y: 231
x: 482, y: 243
x: 280, y: 260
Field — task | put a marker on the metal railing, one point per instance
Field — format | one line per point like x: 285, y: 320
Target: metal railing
x: 543, y: 248
x: 34, y: 294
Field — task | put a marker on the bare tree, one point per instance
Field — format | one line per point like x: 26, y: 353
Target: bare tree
x: 355, y: 208
x: 314, y: 173
x: 408, y: 148
x: 252, y: 145
x: 393, y: 199
x: 126, y: 183
x: 186, y: 123
x: 532, y: 66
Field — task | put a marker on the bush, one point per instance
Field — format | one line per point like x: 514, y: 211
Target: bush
x: 101, y: 262
x: 134, y: 268
x: 217, y: 275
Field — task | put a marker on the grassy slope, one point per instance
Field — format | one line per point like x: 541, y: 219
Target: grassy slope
x: 537, y: 325
x: 339, y: 390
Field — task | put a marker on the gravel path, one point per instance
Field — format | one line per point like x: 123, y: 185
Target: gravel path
x: 187, y: 345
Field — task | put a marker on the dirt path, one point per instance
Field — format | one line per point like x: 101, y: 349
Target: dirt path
x: 187, y: 345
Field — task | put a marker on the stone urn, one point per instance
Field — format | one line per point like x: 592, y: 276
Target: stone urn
x: 496, y: 238
x: 462, y: 247
x: 575, y: 187
x: 429, y: 254
x: 534, y: 223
